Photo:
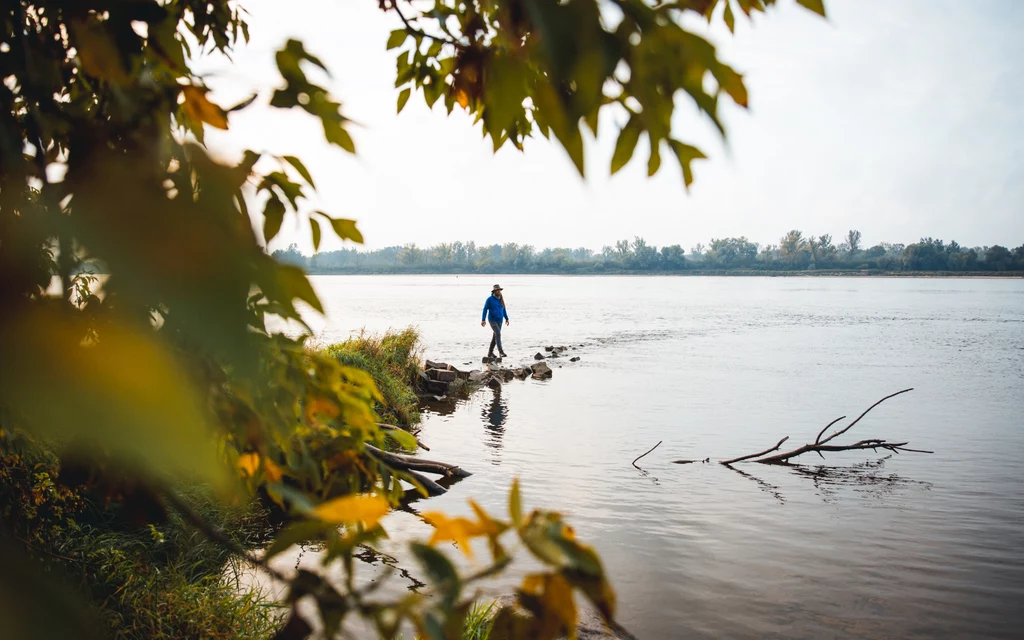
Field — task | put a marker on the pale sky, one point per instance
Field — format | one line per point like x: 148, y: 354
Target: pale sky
x: 900, y: 118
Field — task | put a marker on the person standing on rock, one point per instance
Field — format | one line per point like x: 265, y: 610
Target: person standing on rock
x: 495, y: 312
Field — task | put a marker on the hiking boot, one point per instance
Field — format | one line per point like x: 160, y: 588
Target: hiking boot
x: 503, y: 355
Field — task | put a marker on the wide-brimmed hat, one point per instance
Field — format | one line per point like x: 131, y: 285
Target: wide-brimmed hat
x: 497, y: 287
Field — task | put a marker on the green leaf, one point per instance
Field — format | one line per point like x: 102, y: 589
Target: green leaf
x: 273, y: 216
x: 515, y: 504
x: 336, y: 134
x: 315, y: 226
x: 686, y: 154
x: 397, y: 38
x: 295, y: 284
x: 626, y: 144
x: 817, y: 6
x: 732, y: 83
x: 440, y: 570
x: 344, y: 229
x: 403, y: 97
x: 654, y: 163
x: 405, y: 439
x: 244, y: 103
x: 730, y: 19
x: 301, y: 168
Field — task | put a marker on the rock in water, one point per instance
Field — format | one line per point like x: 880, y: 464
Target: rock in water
x: 494, y: 383
x: 538, y: 356
x: 541, y: 371
x: 574, y: 359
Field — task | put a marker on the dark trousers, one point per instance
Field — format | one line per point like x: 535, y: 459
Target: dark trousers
x: 495, y: 338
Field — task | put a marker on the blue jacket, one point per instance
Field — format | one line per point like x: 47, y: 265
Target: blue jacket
x: 495, y: 309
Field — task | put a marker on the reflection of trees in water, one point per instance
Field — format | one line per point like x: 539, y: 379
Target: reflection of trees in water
x: 495, y: 415
x: 869, y: 479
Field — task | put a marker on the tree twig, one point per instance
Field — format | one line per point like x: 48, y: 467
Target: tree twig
x: 645, y: 453
x: 755, y: 455
x: 822, y: 432
x: 847, y: 427
x: 419, y: 32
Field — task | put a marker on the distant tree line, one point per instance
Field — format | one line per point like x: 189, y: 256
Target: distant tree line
x: 793, y: 252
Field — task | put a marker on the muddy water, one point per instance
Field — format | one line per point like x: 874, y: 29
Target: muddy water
x: 914, y: 546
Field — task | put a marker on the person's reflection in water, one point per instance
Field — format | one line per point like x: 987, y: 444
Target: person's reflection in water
x: 495, y: 416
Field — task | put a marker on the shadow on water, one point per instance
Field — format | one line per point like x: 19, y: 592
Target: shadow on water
x: 868, y: 479
x: 767, y: 487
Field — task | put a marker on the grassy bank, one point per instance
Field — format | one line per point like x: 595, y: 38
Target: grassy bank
x: 393, y: 360
x: 146, y: 573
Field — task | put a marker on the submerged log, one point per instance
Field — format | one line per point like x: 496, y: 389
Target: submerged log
x: 414, y: 466
x: 406, y: 463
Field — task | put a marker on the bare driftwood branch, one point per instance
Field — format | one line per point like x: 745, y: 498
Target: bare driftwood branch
x: 820, y: 445
x: 645, y: 453
x: 755, y: 455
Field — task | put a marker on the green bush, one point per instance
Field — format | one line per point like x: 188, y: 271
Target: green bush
x: 393, y: 360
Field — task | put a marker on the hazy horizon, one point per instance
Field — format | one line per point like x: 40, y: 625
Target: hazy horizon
x: 900, y: 120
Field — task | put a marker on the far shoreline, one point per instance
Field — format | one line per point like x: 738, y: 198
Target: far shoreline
x: 733, y: 273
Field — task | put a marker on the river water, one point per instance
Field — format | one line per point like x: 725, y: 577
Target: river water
x: 855, y: 546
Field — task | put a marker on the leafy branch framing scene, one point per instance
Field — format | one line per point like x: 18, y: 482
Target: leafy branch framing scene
x: 160, y: 433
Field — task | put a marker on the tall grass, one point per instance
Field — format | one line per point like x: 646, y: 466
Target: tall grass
x: 393, y: 360
x: 169, y: 581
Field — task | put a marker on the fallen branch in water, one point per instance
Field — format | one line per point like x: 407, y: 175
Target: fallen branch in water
x: 411, y: 466
x: 645, y: 453
x: 819, y: 445
x: 410, y: 463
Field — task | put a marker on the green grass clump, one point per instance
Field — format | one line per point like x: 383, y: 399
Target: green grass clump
x: 169, y: 580
x: 393, y: 360
x: 479, y: 622
x: 159, y: 581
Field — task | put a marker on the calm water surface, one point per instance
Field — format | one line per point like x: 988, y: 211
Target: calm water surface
x: 913, y: 546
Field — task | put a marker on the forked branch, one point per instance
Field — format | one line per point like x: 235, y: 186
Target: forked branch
x: 821, y: 445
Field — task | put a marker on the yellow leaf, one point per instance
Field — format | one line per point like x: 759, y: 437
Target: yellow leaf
x: 322, y: 407
x: 365, y: 509
x: 555, y: 595
x: 487, y: 525
x: 458, y: 529
x: 202, y: 110
x: 248, y: 463
x: 272, y: 471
